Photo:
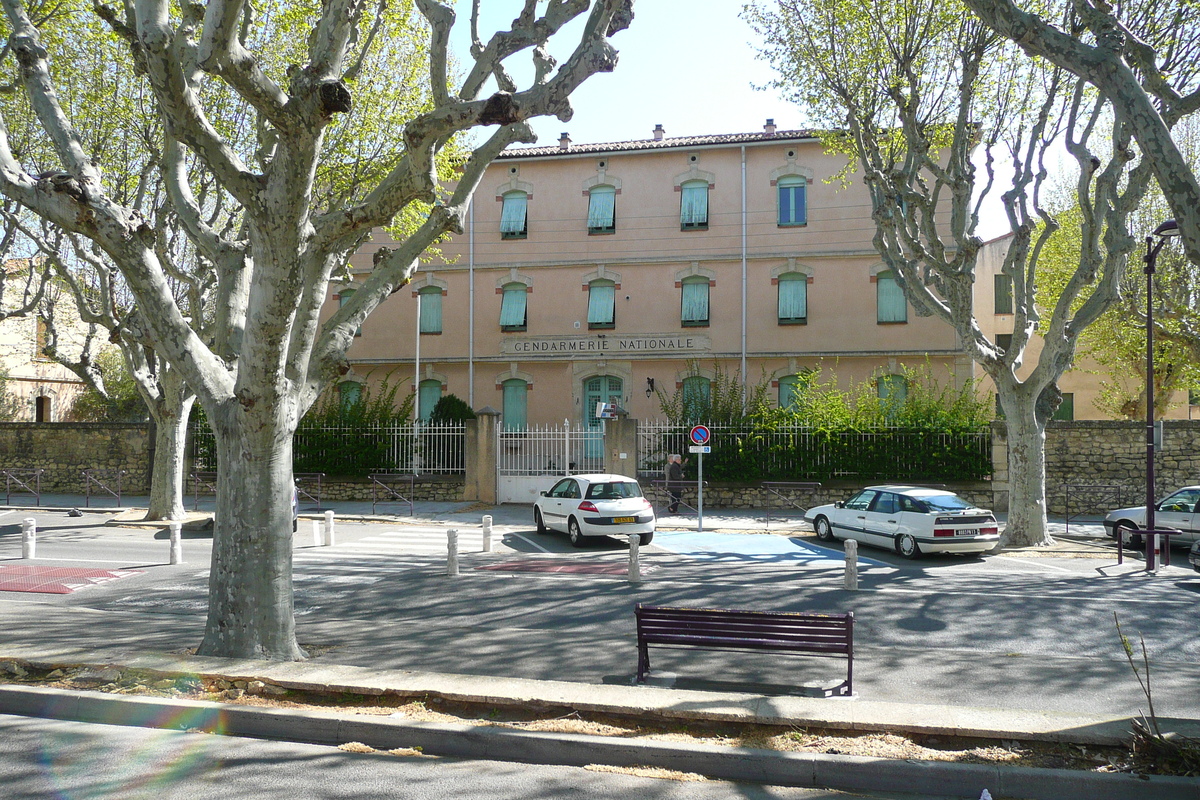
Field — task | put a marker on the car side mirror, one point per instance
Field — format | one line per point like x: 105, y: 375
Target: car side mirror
x: 840, y: 504
x: 543, y: 494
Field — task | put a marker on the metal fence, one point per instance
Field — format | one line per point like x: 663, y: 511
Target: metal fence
x: 346, y: 450
x: 748, y: 454
x: 549, y: 450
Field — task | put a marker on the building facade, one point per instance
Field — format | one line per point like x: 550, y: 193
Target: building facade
x: 609, y: 272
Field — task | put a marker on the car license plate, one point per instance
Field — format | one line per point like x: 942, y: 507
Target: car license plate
x: 623, y: 520
x: 967, y: 532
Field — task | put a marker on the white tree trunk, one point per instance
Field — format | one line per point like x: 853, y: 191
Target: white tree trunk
x: 1026, y: 482
x: 250, y: 608
x: 170, y: 415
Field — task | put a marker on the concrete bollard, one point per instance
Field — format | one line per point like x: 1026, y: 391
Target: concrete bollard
x: 487, y: 533
x: 1157, y: 545
x: 635, y: 551
x: 329, y: 538
x: 316, y: 532
x: 851, y: 580
x: 176, y: 542
x: 29, y: 538
x: 452, y: 552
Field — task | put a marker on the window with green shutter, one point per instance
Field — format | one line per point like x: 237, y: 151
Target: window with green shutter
x: 793, y: 299
x: 1004, y: 289
x: 602, y: 209
x: 512, y: 307
x: 431, y: 309
x: 694, y: 301
x: 693, y: 206
x: 513, y: 214
x: 429, y: 392
x: 515, y: 404
x: 889, y: 299
x: 602, y: 296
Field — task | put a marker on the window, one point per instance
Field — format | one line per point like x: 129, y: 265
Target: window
x: 602, y: 297
x: 343, y: 296
x: 428, y: 394
x: 886, y: 503
x: 431, y: 309
x: 349, y: 395
x: 791, y: 387
x: 890, y: 304
x: 513, y: 215
x: 861, y: 501
x: 793, y: 208
x: 512, y: 307
x: 1004, y: 341
x: 693, y: 206
x: 42, y: 409
x: 697, y: 397
x: 893, y: 389
x: 602, y: 209
x: 515, y: 399
x: 1004, y: 289
x: 1066, y: 411
x: 793, y: 299
x: 694, y: 312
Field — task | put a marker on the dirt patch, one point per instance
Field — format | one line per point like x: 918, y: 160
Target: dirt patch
x: 562, y: 720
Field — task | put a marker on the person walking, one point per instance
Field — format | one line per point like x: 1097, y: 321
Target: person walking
x: 674, y: 481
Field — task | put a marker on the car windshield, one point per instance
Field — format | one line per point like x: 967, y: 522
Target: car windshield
x: 617, y: 490
x: 945, y: 502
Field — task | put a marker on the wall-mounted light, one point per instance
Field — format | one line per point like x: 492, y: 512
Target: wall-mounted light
x: 649, y: 386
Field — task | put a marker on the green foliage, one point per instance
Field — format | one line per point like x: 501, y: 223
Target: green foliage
x: 935, y: 432
x: 123, y: 404
x: 451, y: 408
x: 352, y: 439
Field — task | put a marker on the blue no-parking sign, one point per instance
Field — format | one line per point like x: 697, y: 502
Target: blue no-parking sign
x: 699, y: 435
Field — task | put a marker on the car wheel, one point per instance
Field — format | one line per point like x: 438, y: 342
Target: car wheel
x: 646, y: 538
x: 907, y: 546
x: 573, y: 532
x: 537, y: 519
x: 1127, y: 534
x: 823, y: 529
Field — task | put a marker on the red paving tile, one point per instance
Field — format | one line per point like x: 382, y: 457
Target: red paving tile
x: 563, y: 565
x: 57, y: 580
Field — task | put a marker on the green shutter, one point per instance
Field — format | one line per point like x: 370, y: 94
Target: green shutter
x: 695, y: 301
x: 512, y: 307
x: 513, y: 215
x: 428, y: 395
x: 693, y: 206
x: 431, y: 310
x: 602, y: 296
x: 889, y: 298
x: 515, y: 399
x: 602, y: 204
x: 1004, y: 298
x: 793, y: 297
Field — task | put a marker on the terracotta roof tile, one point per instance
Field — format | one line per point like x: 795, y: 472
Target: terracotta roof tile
x: 657, y: 144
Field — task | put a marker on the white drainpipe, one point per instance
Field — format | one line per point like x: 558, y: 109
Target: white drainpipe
x: 471, y: 304
x: 743, y: 366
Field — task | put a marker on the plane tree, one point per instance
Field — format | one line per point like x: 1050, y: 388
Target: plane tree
x: 288, y: 232
x: 911, y: 92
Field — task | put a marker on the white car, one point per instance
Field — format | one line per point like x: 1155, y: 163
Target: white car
x: 908, y: 519
x: 1176, y: 511
x: 595, y: 505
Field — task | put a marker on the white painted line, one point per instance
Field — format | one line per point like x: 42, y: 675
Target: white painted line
x: 1053, y: 567
x: 1027, y: 595
x: 131, y: 564
x: 530, y: 541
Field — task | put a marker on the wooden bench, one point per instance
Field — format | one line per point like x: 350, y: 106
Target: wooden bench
x: 717, y: 629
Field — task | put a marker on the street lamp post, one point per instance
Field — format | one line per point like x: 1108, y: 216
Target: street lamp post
x: 1163, y: 232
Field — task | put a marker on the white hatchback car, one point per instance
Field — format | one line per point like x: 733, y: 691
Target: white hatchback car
x: 908, y: 519
x: 595, y: 505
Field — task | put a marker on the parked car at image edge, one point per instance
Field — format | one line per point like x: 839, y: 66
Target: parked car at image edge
x: 908, y: 519
x: 1176, y: 512
x: 595, y: 505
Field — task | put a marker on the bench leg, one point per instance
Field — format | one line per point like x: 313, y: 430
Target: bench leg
x: 643, y: 662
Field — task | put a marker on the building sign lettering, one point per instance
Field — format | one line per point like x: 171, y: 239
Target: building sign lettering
x: 606, y: 345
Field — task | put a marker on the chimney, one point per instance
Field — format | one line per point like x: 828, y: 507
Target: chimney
x: 659, y: 133
x: 769, y: 128
x: 564, y: 141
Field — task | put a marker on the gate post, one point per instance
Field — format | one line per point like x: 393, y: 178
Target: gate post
x: 620, y: 446
x: 479, y: 484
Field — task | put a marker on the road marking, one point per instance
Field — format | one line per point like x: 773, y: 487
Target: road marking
x: 130, y: 562
x: 1026, y: 595
x: 529, y: 541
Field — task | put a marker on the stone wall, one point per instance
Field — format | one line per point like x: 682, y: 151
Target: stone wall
x: 65, y: 449
x: 440, y: 488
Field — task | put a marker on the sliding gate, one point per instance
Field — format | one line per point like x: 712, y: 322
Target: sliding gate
x: 530, y: 460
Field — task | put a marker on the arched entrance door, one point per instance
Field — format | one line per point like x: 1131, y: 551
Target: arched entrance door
x: 599, y: 389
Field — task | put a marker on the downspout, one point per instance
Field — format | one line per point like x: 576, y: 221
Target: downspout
x: 471, y: 304
x: 743, y: 365
x: 417, y: 365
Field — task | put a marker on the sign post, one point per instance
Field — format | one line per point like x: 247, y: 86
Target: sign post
x: 699, y: 436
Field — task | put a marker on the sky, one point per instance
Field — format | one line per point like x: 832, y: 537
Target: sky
x: 691, y: 72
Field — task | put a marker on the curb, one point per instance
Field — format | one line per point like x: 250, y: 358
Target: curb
x: 806, y: 770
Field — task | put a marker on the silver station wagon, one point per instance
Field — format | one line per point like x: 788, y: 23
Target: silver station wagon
x: 908, y: 519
